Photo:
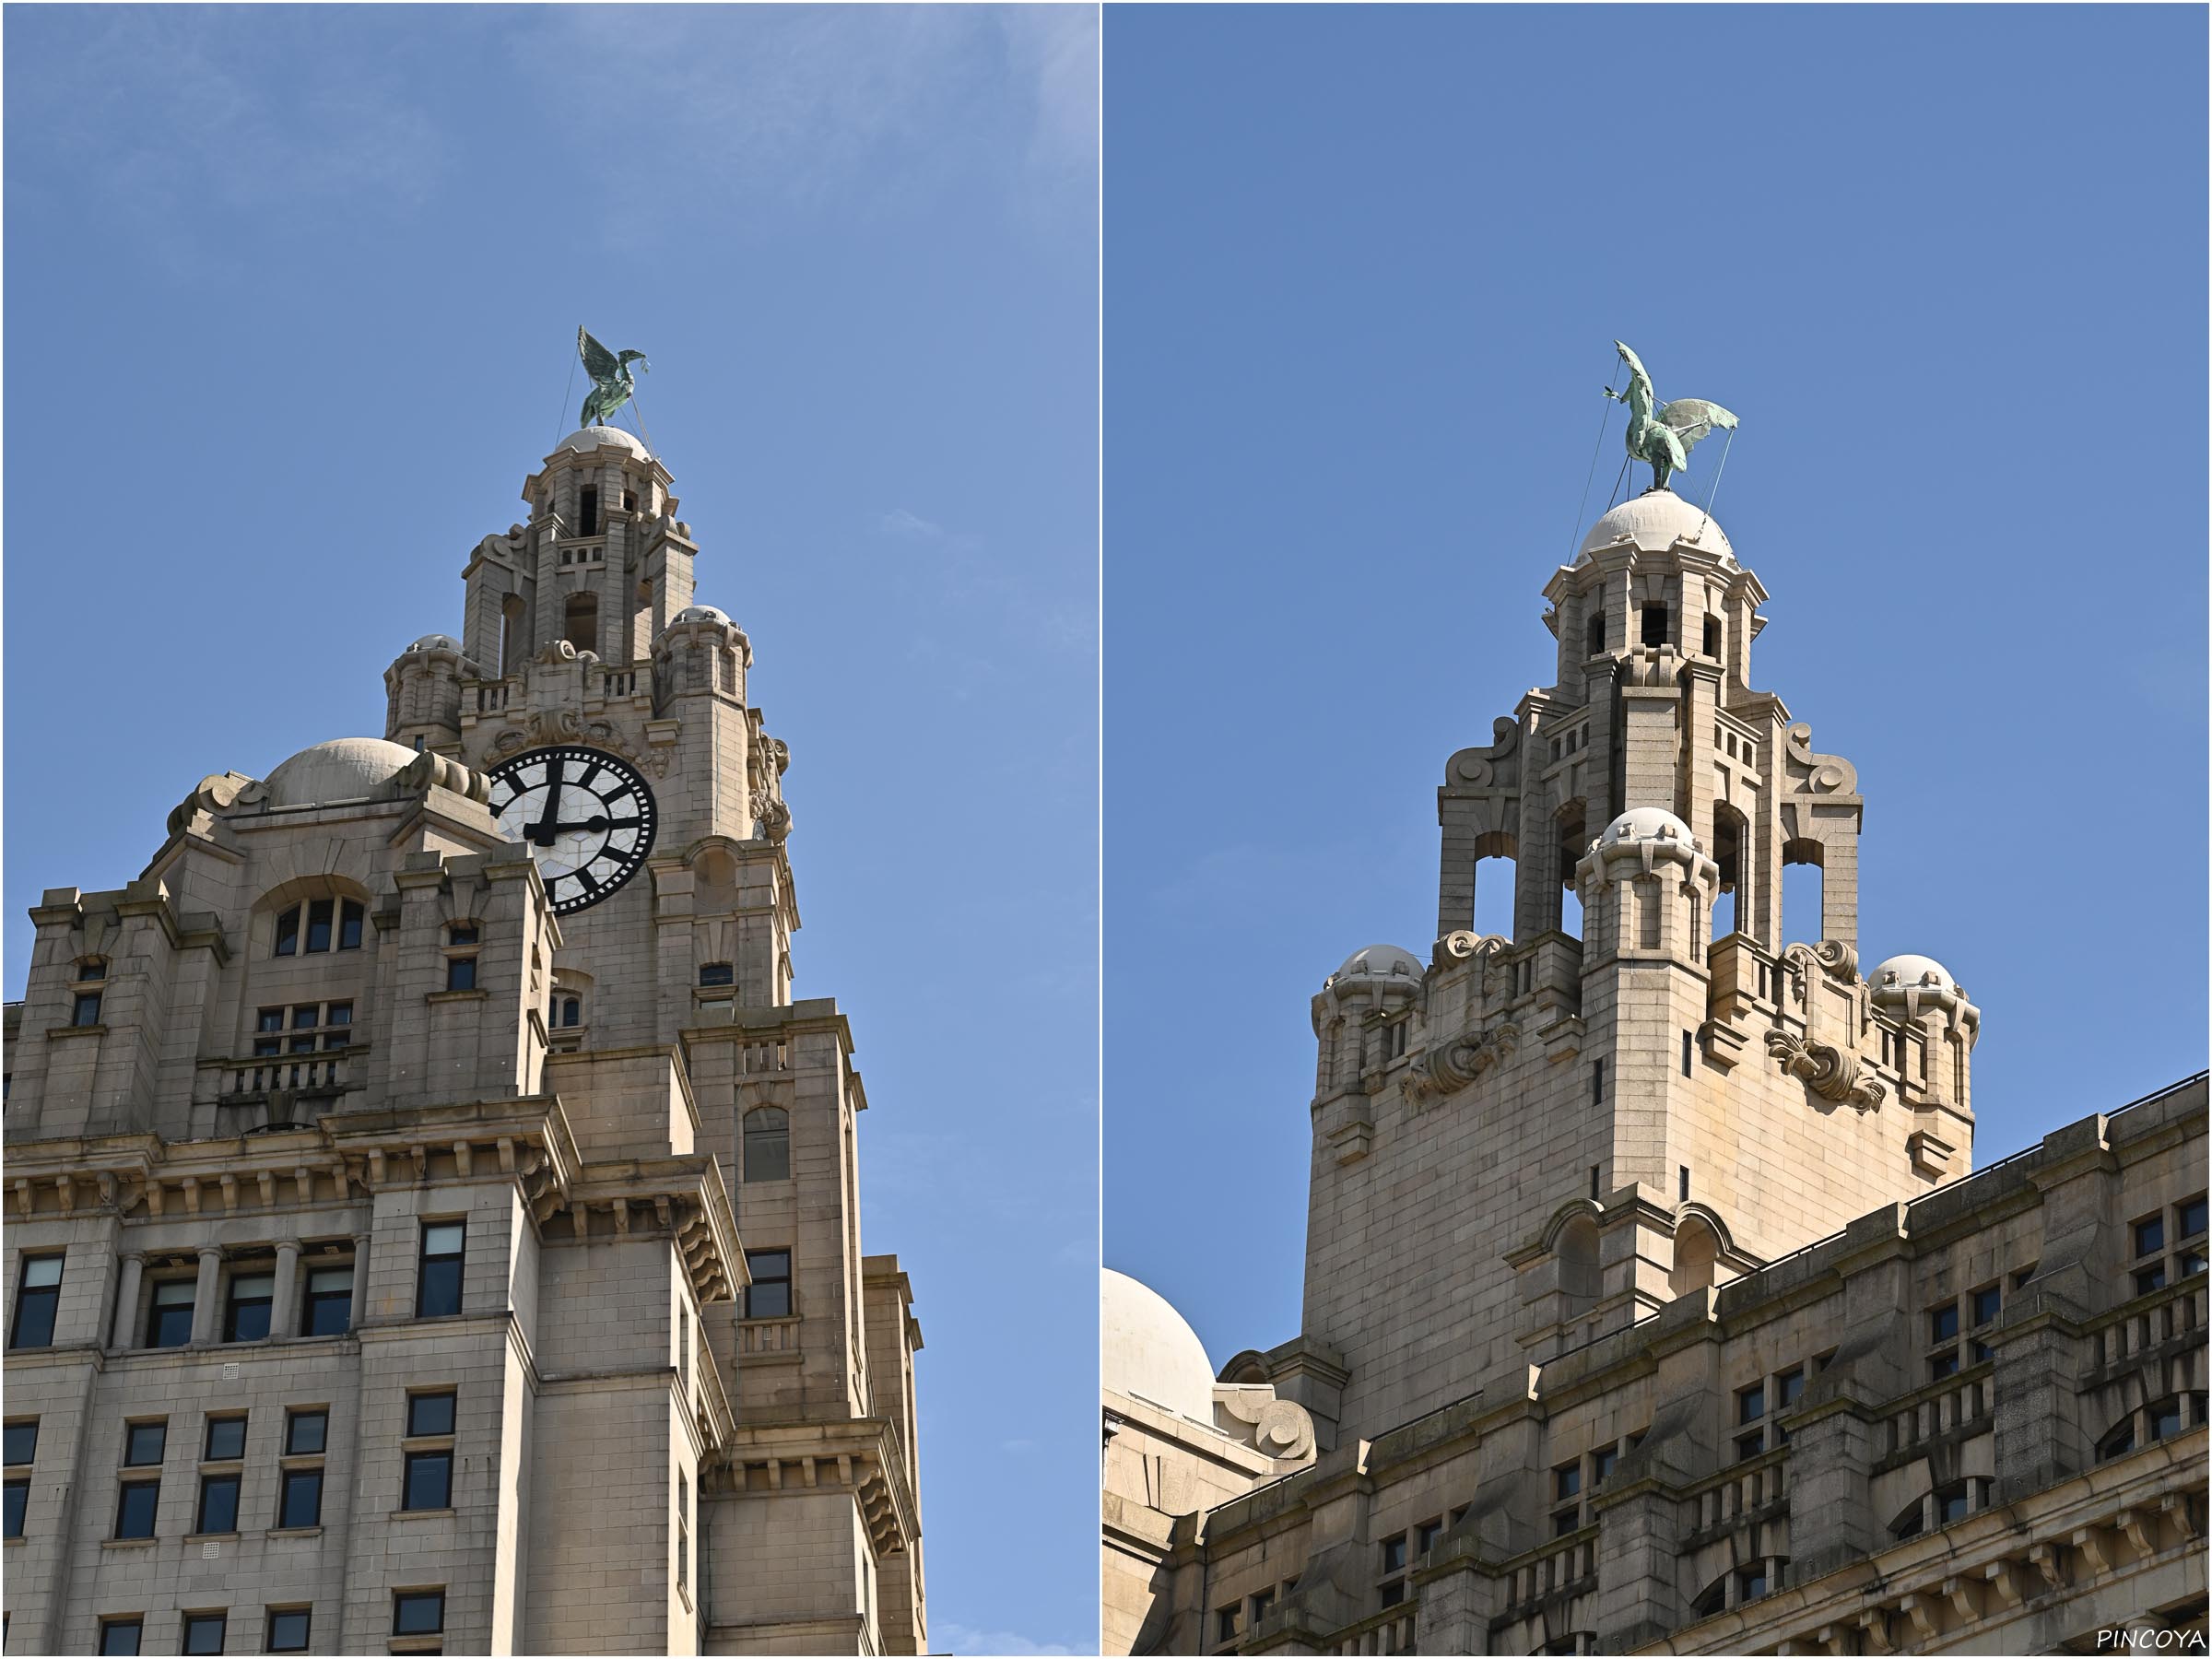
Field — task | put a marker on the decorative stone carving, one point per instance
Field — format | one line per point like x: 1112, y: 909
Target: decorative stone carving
x: 216, y: 792
x: 1451, y: 1067
x: 1827, y: 774
x: 1279, y: 1427
x: 428, y: 769
x: 1832, y: 1073
x: 771, y: 815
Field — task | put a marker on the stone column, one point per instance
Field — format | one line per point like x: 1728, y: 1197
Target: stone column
x: 126, y: 1298
x: 360, y: 1282
x: 284, y: 1317
x: 205, y: 1310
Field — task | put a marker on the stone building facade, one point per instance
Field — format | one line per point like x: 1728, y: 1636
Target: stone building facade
x: 1648, y: 1302
x: 432, y: 1225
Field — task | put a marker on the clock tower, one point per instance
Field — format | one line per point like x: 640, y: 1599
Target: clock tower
x: 427, y: 1151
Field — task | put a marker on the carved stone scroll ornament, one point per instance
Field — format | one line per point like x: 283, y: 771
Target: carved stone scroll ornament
x: 1832, y: 1074
x: 1453, y: 1064
x: 1279, y: 1427
x: 771, y: 815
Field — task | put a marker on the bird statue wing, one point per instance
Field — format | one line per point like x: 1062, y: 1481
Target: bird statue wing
x: 1634, y: 362
x: 598, y: 361
x: 1692, y: 418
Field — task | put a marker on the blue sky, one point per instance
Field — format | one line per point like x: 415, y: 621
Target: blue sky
x: 291, y: 298
x: 1363, y: 274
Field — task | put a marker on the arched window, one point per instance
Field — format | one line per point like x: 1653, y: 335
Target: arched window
x: 1574, y: 842
x: 581, y: 623
x: 1580, y: 1278
x: 1803, y: 906
x: 1731, y: 838
x: 513, y: 635
x: 1495, y: 880
x: 767, y: 1144
x: 1697, y: 1249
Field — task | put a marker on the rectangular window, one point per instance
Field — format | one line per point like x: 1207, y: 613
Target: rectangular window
x: 86, y: 1010
x: 350, y: 925
x: 430, y: 1481
x: 23, y: 1442
x: 1988, y: 1302
x: 329, y: 1308
x: 1565, y: 1521
x: 304, y: 1432
x: 270, y: 1019
x: 1788, y: 1386
x: 1942, y: 1366
x: 301, y: 1504
x: 1263, y: 1602
x: 429, y: 1414
x: 1655, y: 624
x: 769, y: 1296
x: 1393, y: 1554
x: 461, y: 932
x: 683, y: 1532
x: 288, y: 1629
x: 1602, y: 1464
x: 1749, y: 1445
x: 168, y: 1320
x: 1683, y: 1195
x: 1567, y: 1480
x: 288, y: 933
x: 1425, y: 1537
x: 2150, y: 1279
x: 417, y: 1612
x: 2190, y: 1214
x: 226, y: 1440
x: 134, y: 1509
x: 1689, y: 1048
x: 1943, y: 1323
x: 717, y: 973
x: 203, y: 1632
x: 1392, y: 1594
x: 318, y: 926
x: 246, y: 1319
x: 2151, y: 1236
x: 1597, y: 1082
x: 438, y: 1279
x: 119, y: 1635
x: 1225, y: 1625
x: 1751, y: 1403
x: 145, y: 1443
x: 461, y: 973
x: 218, y: 1505
x: 18, y: 1500
x: 683, y: 1346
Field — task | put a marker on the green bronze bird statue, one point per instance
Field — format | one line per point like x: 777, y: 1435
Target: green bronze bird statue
x: 611, y: 384
x: 1665, y: 434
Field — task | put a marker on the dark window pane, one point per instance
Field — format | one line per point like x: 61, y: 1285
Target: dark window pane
x: 430, y: 1414
x: 93, y: 968
x: 318, y: 924
x: 1790, y: 1386
x: 461, y: 932
x: 302, y: 1504
x: 1429, y: 1532
x: 288, y: 933
x: 18, y: 1499
x: 1565, y: 1521
x: 247, y: 1318
x: 87, y: 1011
x: 1394, y: 1593
x: 717, y: 973
x: 2150, y: 1279
x: 1751, y: 1404
x: 134, y: 1509
x: 1951, y: 1506
x: 304, y: 1432
x: 145, y: 1442
x: 571, y: 1010
x: 22, y: 1443
x: 1749, y: 1445
x: 418, y: 1613
x: 1987, y: 1303
x: 2151, y: 1235
x: 349, y: 926
x: 169, y: 1321
x: 339, y: 1014
x: 226, y: 1439
x: 203, y: 1632
x: 430, y: 1481
x: 329, y: 1308
x: 1942, y: 1366
x: 1943, y: 1323
x: 1393, y: 1554
x: 288, y: 1631
x: 440, y: 1291
x: 218, y: 1505
x: 1567, y: 1482
x: 303, y: 1046
x: 461, y: 973
x: 265, y: 1046
x: 2164, y: 1421
x: 119, y: 1636
x: 2193, y: 1217
x: 769, y: 1296
x: 1601, y: 1466
x: 270, y: 1019
x: 767, y: 1145
x: 38, y: 1293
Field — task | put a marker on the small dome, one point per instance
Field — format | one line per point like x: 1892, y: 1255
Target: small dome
x: 602, y: 437
x: 436, y: 643
x: 346, y: 768
x: 1648, y: 823
x: 1148, y: 1350
x: 1379, y: 961
x: 1655, y: 521
x: 702, y: 613
x: 1902, y: 973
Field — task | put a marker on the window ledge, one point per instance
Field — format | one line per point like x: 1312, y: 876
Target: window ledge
x: 450, y: 996
x: 417, y: 1644
x: 128, y: 1543
x: 437, y: 1515
x: 228, y: 1538
x: 294, y: 1531
x: 55, y: 1033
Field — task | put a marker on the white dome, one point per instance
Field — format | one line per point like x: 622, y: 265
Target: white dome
x: 1148, y: 1350
x: 1655, y: 521
x: 602, y: 437
x: 1379, y: 961
x: 346, y: 768
x: 436, y: 643
x: 1647, y: 823
x: 702, y: 613
x: 1902, y: 973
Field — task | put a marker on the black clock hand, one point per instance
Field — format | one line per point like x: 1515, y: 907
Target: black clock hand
x: 590, y: 823
x: 542, y: 831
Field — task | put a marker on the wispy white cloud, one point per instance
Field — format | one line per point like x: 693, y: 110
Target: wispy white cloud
x: 965, y: 1639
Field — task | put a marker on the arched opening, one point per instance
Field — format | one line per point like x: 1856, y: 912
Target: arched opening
x: 1697, y: 1253
x: 514, y: 635
x: 1581, y: 1278
x: 1731, y: 838
x: 1574, y: 842
x: 1712, y: 636
x: 580, y: 624
x: 1802, y: 883
x: 1594, y: 631
x: 1496, y: 876
x: 587, y: 510
x: 767, y: 1144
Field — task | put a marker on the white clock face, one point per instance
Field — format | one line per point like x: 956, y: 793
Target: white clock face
x: 587, y: 818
